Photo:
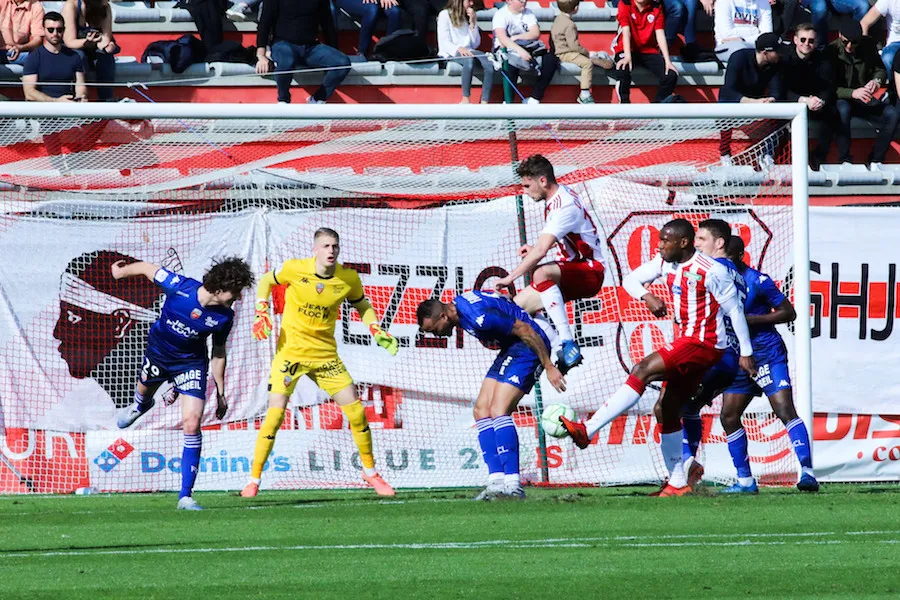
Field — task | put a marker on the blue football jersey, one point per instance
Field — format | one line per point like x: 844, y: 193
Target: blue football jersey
x: 763, y: 296
x: 741, y: 287
x: 179, y: 335
x: 490, y: 317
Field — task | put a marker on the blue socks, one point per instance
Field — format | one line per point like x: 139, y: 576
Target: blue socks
x: 507, y: 444
x: 800, y: 441
x: 692, y: 432
x: 737, y: 447
x: 488, y: 445
x: 190, y: 463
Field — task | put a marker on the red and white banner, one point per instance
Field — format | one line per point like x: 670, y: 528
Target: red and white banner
x: 68, y: 367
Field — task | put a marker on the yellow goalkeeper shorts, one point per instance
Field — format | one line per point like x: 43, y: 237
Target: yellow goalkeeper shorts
x: 330, y: 374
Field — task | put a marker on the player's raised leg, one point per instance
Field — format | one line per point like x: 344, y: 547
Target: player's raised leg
x: 265, y: 440
x: 782, y: 403
x: 733, y: 406
x: 487, y: 441
x: 143, y: 402
x: 191, y: 414
x: 353, y: 409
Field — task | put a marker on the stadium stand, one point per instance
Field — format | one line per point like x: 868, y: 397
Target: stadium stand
x: 137, y: 24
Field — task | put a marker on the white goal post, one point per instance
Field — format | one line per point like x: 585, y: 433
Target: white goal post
x: 82, y: 184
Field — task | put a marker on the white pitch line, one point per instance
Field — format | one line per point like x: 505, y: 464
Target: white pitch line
x: 599, y: 542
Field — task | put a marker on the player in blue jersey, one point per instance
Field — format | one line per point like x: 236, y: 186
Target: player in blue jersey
x: 712, y: 238
x: 176, y: 349
x: 525, y: 345
x: 765, y: 307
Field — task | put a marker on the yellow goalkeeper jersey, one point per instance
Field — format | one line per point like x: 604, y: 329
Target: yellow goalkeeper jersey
x: 312, y: 306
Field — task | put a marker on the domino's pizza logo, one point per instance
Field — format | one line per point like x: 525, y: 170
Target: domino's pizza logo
x: 115, y: 453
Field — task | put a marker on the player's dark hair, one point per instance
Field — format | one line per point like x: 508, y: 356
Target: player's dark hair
x: 720, y: 229
x: 228, y: 275
x: 326, y: 231
x: 536, y: 166
x: 429, y: 309
x: 734, y: 249
x: 681, y: 227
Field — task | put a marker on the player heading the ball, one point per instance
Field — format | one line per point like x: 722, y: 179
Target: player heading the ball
x: 176, y: 349
x: 525, y: 345
x: 579, y: 267
x: 317, y: 287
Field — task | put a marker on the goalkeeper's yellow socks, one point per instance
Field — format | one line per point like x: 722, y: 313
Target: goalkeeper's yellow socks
x: 362, y: 435
x: 265, y: 440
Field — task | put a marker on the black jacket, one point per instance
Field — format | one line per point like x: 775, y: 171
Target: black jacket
x: 809, y: 77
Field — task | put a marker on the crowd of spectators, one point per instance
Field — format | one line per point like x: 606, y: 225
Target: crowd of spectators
x: 768, y: 55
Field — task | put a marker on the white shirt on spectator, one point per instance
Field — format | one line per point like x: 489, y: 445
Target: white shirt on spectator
x: 890, y: 9
x: 451, y: 39
x: 513, y: 24
x: 744, y: 19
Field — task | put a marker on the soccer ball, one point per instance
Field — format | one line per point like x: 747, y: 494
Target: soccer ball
x: 550, y: 419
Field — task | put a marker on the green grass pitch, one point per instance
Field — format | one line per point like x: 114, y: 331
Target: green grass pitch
x: 560, y: 543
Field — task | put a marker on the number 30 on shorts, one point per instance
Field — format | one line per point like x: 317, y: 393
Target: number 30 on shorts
x: 290, y: 368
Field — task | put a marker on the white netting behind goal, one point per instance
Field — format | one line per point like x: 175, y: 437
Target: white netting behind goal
x: 424, y: 208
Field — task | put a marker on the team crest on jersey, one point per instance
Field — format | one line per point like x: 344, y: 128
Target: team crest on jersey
x: 195, y: 314
x: 287, y: 380
x: 651, y: 18
x: 320, y: 287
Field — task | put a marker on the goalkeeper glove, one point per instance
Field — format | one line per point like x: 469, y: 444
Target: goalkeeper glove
x: 384, y: 339
x: 262, y: 324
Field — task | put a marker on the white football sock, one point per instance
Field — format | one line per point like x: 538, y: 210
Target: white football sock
x: 745, y: 481
x: 670, y: 445
x: 370, y: 471
x: 512, y: 481
x: 624, y: 398
x: 555, y: 306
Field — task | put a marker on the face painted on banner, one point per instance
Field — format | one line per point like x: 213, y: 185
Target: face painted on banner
x: 96, y: 315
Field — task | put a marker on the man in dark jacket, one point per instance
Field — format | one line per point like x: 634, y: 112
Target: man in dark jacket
x: 753, y: 75
x: 859, y: 76
x: 807, y: 78
x: 291, y: 27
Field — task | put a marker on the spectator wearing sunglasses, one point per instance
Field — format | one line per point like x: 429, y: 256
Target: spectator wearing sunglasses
x: 54, y: 73
x: 807, y: 78
x: 859, y: 76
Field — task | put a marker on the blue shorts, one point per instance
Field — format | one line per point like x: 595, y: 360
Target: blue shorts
x: 717, y: 379
x: 772, y: 376
x: 189, y: 377
x: 518, y: 365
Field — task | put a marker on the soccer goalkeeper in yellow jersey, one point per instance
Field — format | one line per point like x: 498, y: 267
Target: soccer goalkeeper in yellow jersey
x: 306, y: 346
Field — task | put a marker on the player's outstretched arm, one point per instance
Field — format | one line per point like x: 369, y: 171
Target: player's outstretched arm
x: 262, y: 323
x: 533, y: 256
x: 217, y: 369
x: 368, y: 316
x: 531, y: 339
x: 120, y: 270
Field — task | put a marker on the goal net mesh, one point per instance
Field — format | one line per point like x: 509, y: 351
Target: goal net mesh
x: 425, y: 208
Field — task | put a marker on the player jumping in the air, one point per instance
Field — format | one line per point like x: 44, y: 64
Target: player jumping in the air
x: 176, y: 349
x: 702, y: 294
x: 306, y: 346
x: 712, y: 238
x: 579, y: 267
x: 766, y: 306
x: 525, y: 345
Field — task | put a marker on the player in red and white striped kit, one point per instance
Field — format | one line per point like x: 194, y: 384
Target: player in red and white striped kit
x: 703, y: 293
x: 579, y: 267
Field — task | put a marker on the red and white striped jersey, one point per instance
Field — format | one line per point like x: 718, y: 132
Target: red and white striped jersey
x: 702, y: 293
x: 570, y: 223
